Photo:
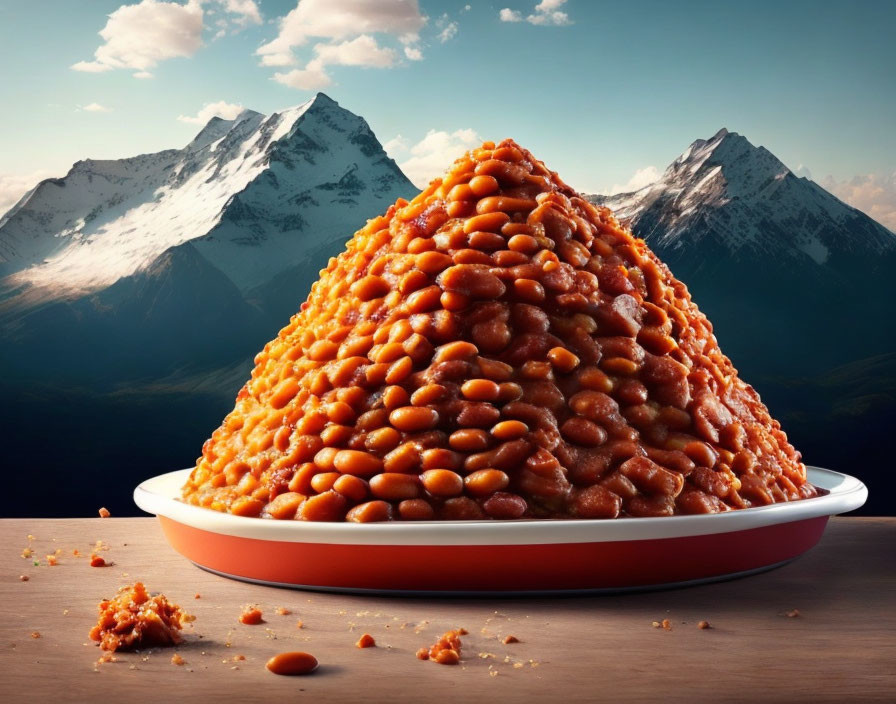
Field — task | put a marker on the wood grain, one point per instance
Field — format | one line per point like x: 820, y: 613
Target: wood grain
x: 841, y: 647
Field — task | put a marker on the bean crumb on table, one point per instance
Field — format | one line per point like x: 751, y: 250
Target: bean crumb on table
x: 446, y: 650
x: 510, y: 639
x: 104, y: 512
x: 366, y: 641
x: 703, y: 625
x: 251, y: 616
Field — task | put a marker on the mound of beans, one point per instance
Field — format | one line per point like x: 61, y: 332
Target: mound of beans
x: 497, y: 348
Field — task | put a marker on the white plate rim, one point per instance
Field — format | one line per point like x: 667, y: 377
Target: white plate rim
x: 159, y: 496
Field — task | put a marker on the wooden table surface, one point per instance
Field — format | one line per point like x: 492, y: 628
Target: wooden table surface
x: 841, y: 646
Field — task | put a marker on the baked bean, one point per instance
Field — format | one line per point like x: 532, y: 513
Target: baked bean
x: 480, y: 390
x: 562, y: 359
x: 247, y: 506
x: 411, y: 419
x: 416, y: 510
x: 596, y: 502
x: 584, y: 432
x: 487, y: 241
x: 483, y: 482
x: 454, y: 351
x: 284, y: 392
x: 478, y: 415
x: 650, y: 478
x: 301, y: 480
x: 461, y: 191
x: 490, y: 222
x: 334, y: 435
x: 483, y: 185
x: 509, y: 391
x: 351, y: 487
x: 460, y: 508
x: 505, y: 506
x: 469, y: 440
x: 523, y: 243
x: 370, y: 287
x: 357, y: 462
x: 284, y: 506
x: 403, y: 458
x: 432, y: 262
x: 370, y: 512
x: 436, y: 457
x: 442, y: 482
x: 506, y: 204
x: 392, y: 486
x: 472, y: 280
x: 509, y: 430
x: 494, y: 370
x: 293, y: 663
x: 400, y: 370
x: 329, y: 506
x: 471, y: 256
x: 324, y: 481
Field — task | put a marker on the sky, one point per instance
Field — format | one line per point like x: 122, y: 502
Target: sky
x: 606, y: 93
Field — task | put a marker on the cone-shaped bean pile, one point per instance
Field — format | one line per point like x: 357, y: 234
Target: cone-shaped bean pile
x: 496, y: 348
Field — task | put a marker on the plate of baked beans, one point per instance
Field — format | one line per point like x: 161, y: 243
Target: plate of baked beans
x: 498, y: 556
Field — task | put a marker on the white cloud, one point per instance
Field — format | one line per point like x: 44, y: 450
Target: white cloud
x: 361, y: 51
x: 339, y: 19
x: 641, y: 177
x: 466, y: 8
x: 448, y: 32
x: 222, y: 109
x: 311, y: 78
x: 139, y: 36
x: 94, y: 107
x: 396, y: 145
x: 546, y: 13
x: 873, y: 194
x: 246, y: 11
x: 14, y: 186
x: 435, y: 153
x: 348, y: 26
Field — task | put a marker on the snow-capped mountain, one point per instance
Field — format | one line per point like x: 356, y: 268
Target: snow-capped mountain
x: 726, y: 190
x: 117, y: 252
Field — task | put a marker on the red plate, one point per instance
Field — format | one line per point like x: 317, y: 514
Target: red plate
x: 498, y: 556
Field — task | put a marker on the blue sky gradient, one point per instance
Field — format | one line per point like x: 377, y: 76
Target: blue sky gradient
x: 622, y: 87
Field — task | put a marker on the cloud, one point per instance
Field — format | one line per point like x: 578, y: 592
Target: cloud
x: 396, y: 145
x: 873, y: 194
x: 546, y: 13
x: 449, y: 31
x: 246, y: 12
x: 311, y: 78
x: 138, y: 37
x: 14, y: 186
x: 94, y: 107
x: 222, y: 109
x: 348, y: 26
x: 433, y: 154
x: 641, y: 178
x: 339, y: 19
x: 361, y: 51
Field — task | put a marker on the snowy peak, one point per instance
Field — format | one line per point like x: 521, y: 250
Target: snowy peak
x: 745, y: 201
x: 280, y: 183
